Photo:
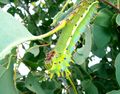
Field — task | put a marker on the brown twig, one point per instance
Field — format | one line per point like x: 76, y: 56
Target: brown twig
x: 110, y: 4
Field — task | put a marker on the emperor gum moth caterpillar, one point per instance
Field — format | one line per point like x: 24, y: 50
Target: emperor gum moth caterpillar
x: 58, y: 60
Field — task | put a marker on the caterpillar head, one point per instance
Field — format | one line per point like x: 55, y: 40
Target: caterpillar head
x: 57, y: 63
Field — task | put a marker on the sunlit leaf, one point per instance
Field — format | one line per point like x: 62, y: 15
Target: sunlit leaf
x: 12, y: 33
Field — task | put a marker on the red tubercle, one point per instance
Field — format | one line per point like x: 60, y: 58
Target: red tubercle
x: 50, y: 55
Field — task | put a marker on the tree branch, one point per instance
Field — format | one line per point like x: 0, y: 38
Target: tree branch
x: 110, y: 4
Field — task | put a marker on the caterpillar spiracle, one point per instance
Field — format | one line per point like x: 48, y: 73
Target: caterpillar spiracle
x: 58, y: 60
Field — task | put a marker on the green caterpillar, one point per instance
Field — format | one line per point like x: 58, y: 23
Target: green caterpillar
x: 58, y: 60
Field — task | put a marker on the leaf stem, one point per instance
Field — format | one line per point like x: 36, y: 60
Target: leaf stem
x: 9, y: 61
x: 59, y: 27
x: 71, y: 82
x: 65, y: 5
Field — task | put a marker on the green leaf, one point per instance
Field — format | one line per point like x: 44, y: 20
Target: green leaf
x: 117, y: 66
x: 100, y: 70
x: 118, y: 19
x: 100, y: 52
x: 82, y: 53
x: 51, y: 86
x: 89, y: 87
x: 32, y: 83
x: 30, y: 61
x: 5, y: 1
x: 101, y: 36
x: 103, y: 18
x: 53, y: 10
x: 32, y: 28
x: 12, y: 33
x: 114, y: 92
x: 34, y: 50
x: 7, y: 85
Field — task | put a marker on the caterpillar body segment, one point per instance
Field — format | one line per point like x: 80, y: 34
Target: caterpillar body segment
x: 81, y: 26
x: 71, y: 22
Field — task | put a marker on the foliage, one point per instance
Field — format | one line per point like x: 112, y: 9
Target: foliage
x: 36, y: 17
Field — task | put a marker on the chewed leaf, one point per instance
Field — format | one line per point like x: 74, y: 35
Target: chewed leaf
x: 82, y: 53
x: 12, y: 33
